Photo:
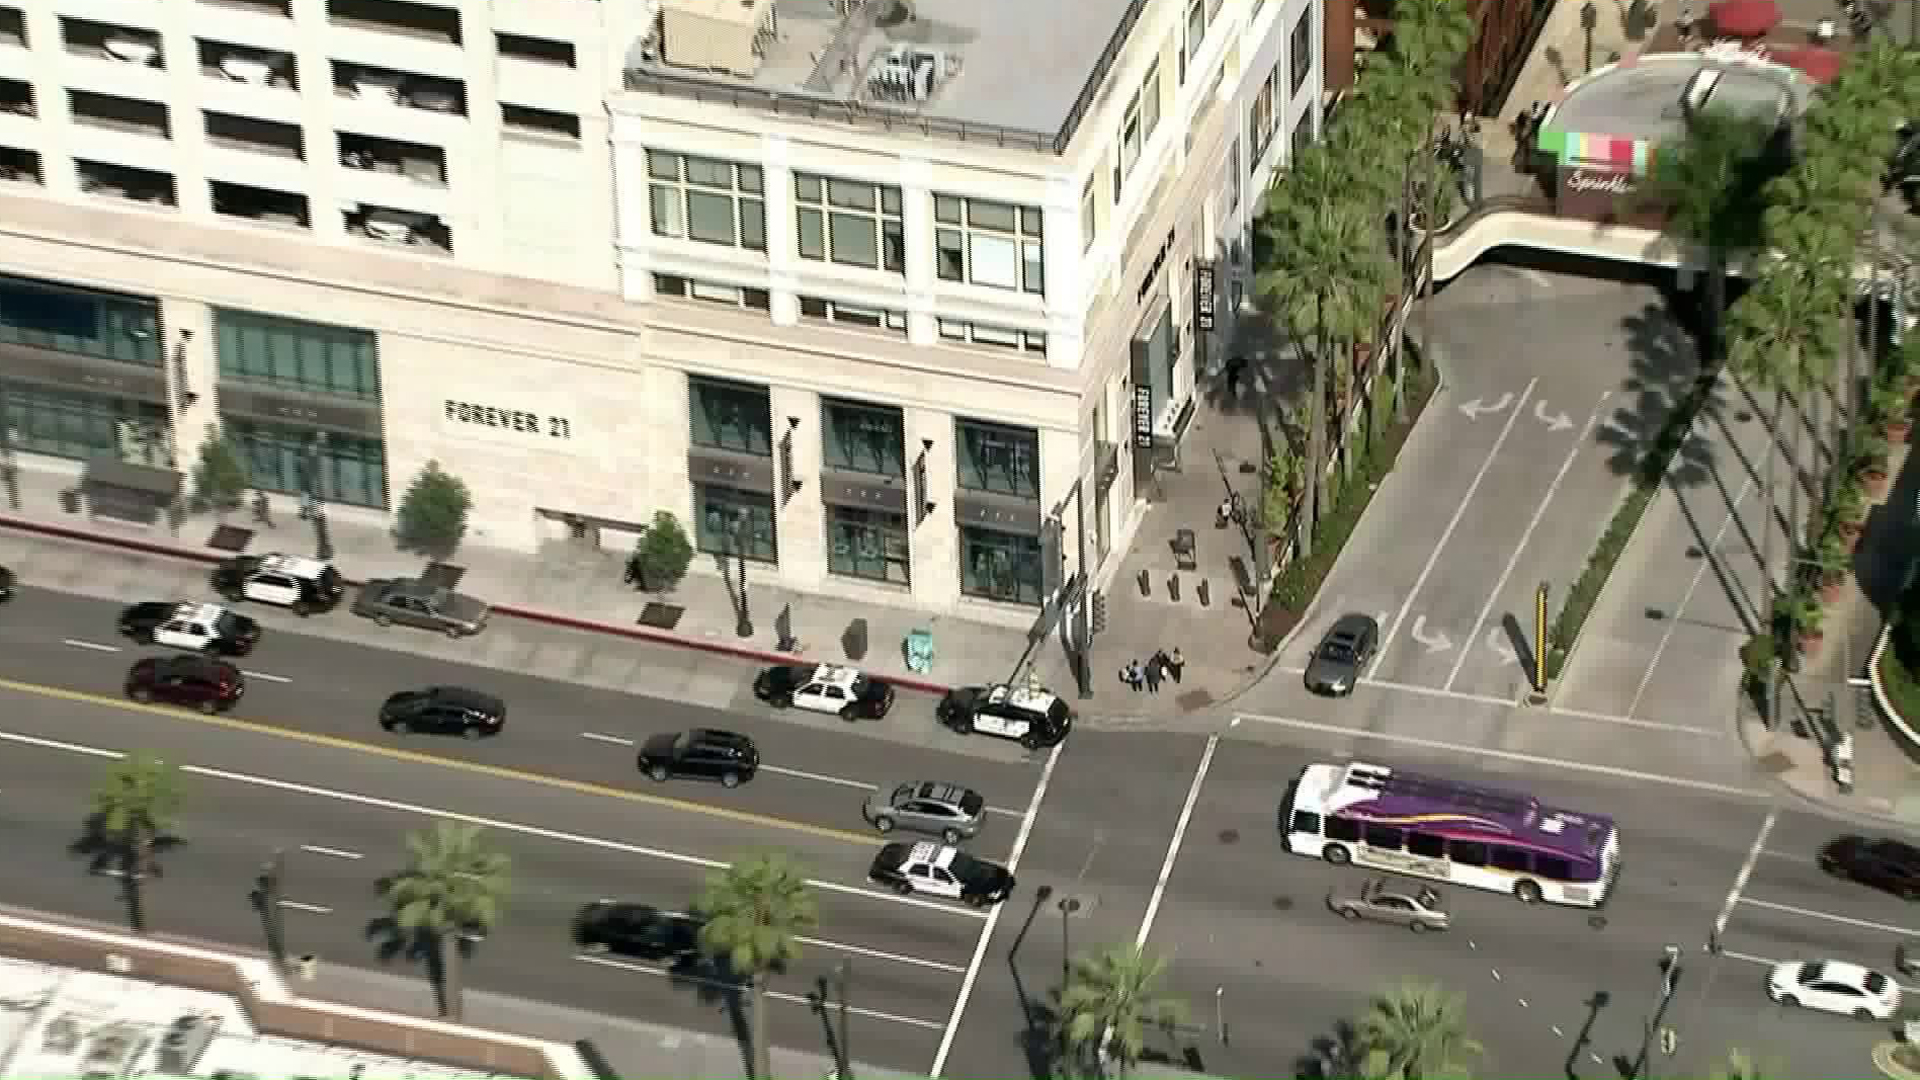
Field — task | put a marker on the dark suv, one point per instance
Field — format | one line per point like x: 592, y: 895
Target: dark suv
x: 198, y: 681
x: 638, y: 930
x: 1883, y: 864
x: 445, y: 710
x: 705, y: 753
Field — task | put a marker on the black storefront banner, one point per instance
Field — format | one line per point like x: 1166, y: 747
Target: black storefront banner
x: 1203, y: 295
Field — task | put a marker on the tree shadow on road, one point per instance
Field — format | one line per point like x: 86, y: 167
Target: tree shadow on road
x: 108, y: 855
x: 1663, y: 370
x: 1339, y: 1054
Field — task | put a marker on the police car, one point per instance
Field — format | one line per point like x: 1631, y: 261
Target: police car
x: 1032, y: 716
x: 828, y: 688
x: 291, y: 581
x: 939, y: 870
x: 206, y: 628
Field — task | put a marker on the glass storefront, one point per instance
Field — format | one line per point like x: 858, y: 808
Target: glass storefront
x: 997, y: 459
x: 733, y: 523
x: 863, y: 438
x: 870, y: 544
x: 730, y: 416
x: 1000, y: 566
x: 295, y: 460
x: 75, y: 425
x: 65, y: 319
x: 309, y: 357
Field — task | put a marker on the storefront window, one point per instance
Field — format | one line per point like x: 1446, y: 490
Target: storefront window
x: 733, y: 524
x: 297, y: 461
x: 869, y: 544
x: 1003, y: 460
x: 999, y: 566
x: 863, y: 438
x: 84, y: 426
x: 730, y: 416
x: 304, y: 356
x: 46, y: 316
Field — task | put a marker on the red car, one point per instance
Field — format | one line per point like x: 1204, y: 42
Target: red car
x: 198, y: 682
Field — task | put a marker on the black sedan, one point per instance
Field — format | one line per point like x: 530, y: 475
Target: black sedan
x: 637, y: 930
x: 1342, y: 655
x: 450, y: 710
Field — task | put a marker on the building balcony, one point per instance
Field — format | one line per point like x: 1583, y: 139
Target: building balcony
x: 131, y: 13
x: 13, y: 28
x: 19, y: 113
x: 540, y: 85
x: 413, y: 37
x: 260, y: 206
x: 111, y: 59
x: 261, y: 153
x: 125, y: 183
x: 390, y: 172
x: 542, y: 125
x: 394, y: 229
x: 399, y: 104
x: 145, y: 122
x: 248, y: 66
x: 19, y: 166
x: 260, y: 23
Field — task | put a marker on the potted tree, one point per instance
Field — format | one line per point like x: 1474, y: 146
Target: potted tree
x: 1848, y: 511
x: 1870, y: 449
x: 1833, y: 559
x: 1806, y: 618
x: 1888, y: 402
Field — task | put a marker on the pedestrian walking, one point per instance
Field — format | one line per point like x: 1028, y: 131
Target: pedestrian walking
x: 1131, y: 675
x: 1175, y: 663
x: 1236, y: 366
x: 262, y: 509
x: 1153, y: 675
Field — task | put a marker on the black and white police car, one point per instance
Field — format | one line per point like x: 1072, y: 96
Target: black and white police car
x: 1032, y: 716
x: 940, y: 870
x: 291, y: 581
x: 206, y: 628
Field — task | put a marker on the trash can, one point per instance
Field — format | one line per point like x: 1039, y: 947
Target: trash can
x: 919, y: 647
x: 307, y: 966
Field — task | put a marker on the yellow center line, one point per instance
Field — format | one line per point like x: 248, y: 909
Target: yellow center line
x: 414, y: 757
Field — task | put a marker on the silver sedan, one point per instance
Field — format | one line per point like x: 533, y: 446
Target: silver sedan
x: 1415, y: 907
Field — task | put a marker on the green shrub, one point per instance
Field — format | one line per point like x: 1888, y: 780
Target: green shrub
x: 221, y: 477
x: 433, y: 515
x: 661, y: 557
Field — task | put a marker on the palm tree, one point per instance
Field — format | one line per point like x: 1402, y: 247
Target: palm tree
x: 450, y: 894
x: 1420, y: 1031
x: 1109, y: 1004
x: 135, y: 803
x: 755, y: 912
x: 1740, y: 1065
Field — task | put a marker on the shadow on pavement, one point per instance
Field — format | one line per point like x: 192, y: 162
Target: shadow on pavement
x: 111, y: 856
x: 1663, y: 371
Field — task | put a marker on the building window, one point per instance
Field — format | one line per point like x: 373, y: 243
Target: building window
x: 704, y: 199
x: 869, y: 544
x: 1302, y: 133
x: 46, y: 316
x: 1196, y: 33
x: 999, y: 566
x: 1032, y: 341
x: 1300, y: 50
x: 306, y: 356
x: 812, y: 307
x: 732, y: 523
x: 335, y: 468
x: 848, y: 222
x: 1234, y: 178
x: 74, y: 425
x: 997, y: 459
x: 989, y: 243
x: 863, y: 438
x: 1089, y: 216
x: 1262, y: 116
x: 730, y: 416
x: 1143, y: 115
x: 712, y: 292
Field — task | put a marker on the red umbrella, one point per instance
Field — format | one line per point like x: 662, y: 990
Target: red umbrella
x: 1816, y: 63
x: 1744, y: 18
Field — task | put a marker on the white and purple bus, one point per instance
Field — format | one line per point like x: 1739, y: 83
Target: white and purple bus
x: 1432, y: 827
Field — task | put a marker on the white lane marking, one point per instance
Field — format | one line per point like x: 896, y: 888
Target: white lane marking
x: 491, y: 823
x: 881, y: 954
x: 1507, y: 755
x: 1746, y: 872
x: 821, y: 778
x: 316, y: 909
x: 92, y: 645
x: 614, y: 739
x: 1507, y: 703
x: 993, y: 917
x: 1764, y: 962
x: 1628, y: 721
x: 331, y: 852
x: 1433, y: 557
x: 1809, y: 913
x: 264, y: 676
x: 1173, y: 847
x: 1699, y: 575
x: 1526, y: 537
x: 777, y: 995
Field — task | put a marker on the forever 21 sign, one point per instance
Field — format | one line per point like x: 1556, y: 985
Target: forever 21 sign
x: 517, y: 421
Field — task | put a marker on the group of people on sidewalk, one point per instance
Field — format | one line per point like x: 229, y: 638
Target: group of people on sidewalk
x: 1159, y: 667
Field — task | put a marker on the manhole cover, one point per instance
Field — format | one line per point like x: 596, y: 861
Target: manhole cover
x: 1229, y: 836
x: 1077, y: 906
x: 1283, y: 903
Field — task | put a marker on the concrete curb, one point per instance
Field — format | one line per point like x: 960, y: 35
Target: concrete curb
x: 1883, y: 1060
x: 533, y: 615
x: 1880, y: 699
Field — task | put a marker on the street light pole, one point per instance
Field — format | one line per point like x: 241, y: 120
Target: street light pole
x: 1669, y: 978
x: 1589, y: 18
x: 272, y: 888
x: 845, y: 973
x: 743, y: 626
x: 1068, y: 906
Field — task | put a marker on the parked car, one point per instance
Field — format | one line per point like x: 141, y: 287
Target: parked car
x: 1342, y: 655
x: 199, y: 682
x: 449, y: 710
x: 1416, y: 907
x: 291, y: 581
x: 702, y: 753
x: 207, y: 628
x: 1881, y: 863
x: 639, y: 930
x: 1034, y: 718
x: 1835, y: 986
x: 846, y: 692
x: 941, y: 870
x: 949, y: 811
x: 412, y: 602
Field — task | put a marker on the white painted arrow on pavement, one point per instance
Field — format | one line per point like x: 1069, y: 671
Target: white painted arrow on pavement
x: 1478, y: 407
x: 1435, y: 643
x: 1554, y: 422
x: 1501, y: 646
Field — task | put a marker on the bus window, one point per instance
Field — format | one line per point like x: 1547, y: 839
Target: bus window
x: 1512, y: 859
x: 1339, y: 828
x: 1467, y: 852
x: 1426, y: 845
x: 1384, y: 837
x: 1306, y: 822
x: 1551, y: 866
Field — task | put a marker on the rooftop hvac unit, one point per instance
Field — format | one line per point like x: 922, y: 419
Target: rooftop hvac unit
x: 905, y: 74
x: 184, y: 1042
x: 714, y: 35
x: 113, y: 1051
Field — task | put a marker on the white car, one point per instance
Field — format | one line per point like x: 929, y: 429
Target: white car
x: 1835, y: 986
